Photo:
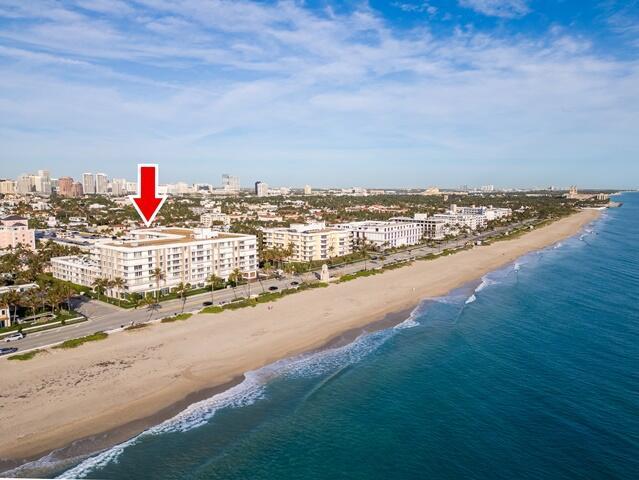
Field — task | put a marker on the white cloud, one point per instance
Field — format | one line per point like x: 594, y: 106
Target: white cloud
x: 417, y: 7
x: 498, y: 8
x: 200, y: 79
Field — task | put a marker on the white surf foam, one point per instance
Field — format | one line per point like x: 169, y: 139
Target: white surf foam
x: 245, y: 393
x: 471, y: 299
x: 251, y: 389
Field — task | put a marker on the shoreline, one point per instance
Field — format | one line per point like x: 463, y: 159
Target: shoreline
x: 194, y: 376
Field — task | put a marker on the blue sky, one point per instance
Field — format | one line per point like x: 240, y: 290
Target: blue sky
x: 379, y: 93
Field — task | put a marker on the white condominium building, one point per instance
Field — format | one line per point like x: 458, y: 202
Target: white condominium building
x: 312, y: 242
x: 431, y: 228
x: 383, y: 234
x: 490, y: 212
x: 88, y: 183
x: 78, y: 269
x: 182, y: 255
x: 460, y: 220
x: 101, y: 183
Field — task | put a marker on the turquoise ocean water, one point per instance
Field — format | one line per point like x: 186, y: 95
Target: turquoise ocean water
x: 530, y: 373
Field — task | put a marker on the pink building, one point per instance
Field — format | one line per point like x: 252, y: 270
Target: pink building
x: 14, y: 231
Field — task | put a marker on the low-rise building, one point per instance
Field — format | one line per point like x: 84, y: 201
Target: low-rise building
x: 214, y: 217
x: 309, y: 242
x: 5, y: 312
x: 383, y: 235
x: 180, y: 255
x: 14, y: 231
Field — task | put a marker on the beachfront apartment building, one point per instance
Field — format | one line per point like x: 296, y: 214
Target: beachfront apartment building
x: 431, y: 228
x: 461, y: 221
x: 14, y: 231
x: 490, y: 212
x: 471, y: 218
x: 383, y: 235
x: 181, y: 255
x: 309, y: 242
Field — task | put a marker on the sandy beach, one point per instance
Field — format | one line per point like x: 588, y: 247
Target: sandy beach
x: 116, y: 388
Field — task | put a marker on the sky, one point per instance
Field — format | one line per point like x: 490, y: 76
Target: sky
x: 404, y: 93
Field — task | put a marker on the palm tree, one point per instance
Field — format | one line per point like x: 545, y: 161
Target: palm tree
x: 364, y: 249
x: 99, y: 286
x: 31, y: 300
x: 152, y: 305
x: 68, y: 291
x: 158, y: 275
x: 135, y: 299
x: 234, y: 279
x: 55, y: 296
x: 181, y: 289
x: 267, y: 268
x: 9, y: 299
x: 119, y: 283
x: 214, y: 282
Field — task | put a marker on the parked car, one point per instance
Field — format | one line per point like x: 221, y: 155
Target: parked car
x: 15, y: 336
x: 273, y: 288
x: 207, y: 304
x: 7, y: 351
x: 295, y: 283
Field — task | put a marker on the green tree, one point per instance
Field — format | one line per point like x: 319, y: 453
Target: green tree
x: 182, y: 289
x: 214, y: 283
x: 152, y: 305
x: 158, y: 275
x: 234, y: 279
x: 119, y: 283
x: 99, y: 286
x: 31, y: 300
x: 11, y: 299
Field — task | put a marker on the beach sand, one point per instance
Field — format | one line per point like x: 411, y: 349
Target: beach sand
x: 108, y: 391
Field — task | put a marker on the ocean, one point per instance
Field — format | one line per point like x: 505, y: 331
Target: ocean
x: 532, y: 372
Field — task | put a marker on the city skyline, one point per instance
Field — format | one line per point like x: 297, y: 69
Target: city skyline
x: 232, y: 184
x: 510, y: 92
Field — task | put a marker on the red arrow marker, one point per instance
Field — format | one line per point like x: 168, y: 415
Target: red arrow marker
x: 147, y: 202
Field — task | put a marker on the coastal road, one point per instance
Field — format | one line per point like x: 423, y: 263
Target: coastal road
x: 104, y: 317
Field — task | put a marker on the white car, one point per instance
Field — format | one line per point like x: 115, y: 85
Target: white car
x: 15, y: 336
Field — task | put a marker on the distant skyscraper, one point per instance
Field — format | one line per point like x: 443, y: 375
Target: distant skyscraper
x: 118, y: 187
x: 7, y: 186
x: 308, y: 190
x: 65, y: 186
x: 25, y: 184
x: 42, y: 182
x: 101, y: 182
x: 230, y: 183
x: 77, y: 190
x: 261, y: 189
x: 88, y: 183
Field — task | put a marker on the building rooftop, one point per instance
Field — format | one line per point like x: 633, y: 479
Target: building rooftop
x: 167, y: 236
